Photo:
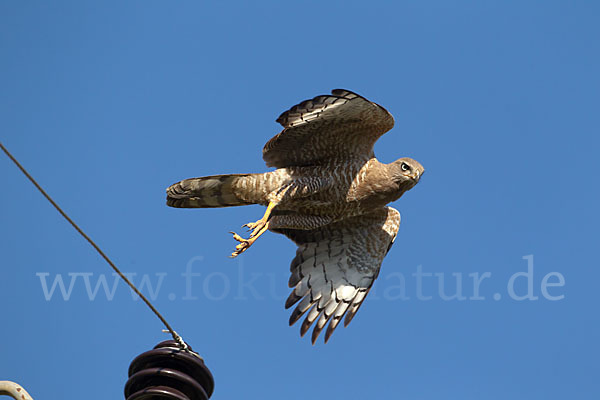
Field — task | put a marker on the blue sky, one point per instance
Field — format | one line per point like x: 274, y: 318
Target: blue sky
x: 107, y: 103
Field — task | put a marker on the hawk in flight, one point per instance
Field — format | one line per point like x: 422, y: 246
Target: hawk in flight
x: 328, y: 194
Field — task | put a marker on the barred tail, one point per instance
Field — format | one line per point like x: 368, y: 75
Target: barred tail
x: 208, y: 191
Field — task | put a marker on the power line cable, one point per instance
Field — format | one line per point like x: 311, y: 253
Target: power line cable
x: 176, y: 337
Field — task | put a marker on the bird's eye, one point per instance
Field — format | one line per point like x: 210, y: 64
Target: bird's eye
x: 405, y: 167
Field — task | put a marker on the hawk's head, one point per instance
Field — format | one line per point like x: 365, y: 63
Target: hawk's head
x: 407, y: 172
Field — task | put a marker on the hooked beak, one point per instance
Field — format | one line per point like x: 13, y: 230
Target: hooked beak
x: 416, y: 176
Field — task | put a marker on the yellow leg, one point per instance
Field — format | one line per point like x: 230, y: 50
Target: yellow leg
x: 258, y: 228
x: 258, y: 225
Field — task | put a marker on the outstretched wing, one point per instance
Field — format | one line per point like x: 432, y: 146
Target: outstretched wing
x: 335, y: 267
x: 343, y: 125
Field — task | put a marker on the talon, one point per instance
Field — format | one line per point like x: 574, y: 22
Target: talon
x: 253, y: 225
x: 258, y: 228
x: 242, y: 246
x: 237, y: 237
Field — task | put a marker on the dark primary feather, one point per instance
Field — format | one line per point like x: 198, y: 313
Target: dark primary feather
x: 335, y: 267
x: 343, y: 125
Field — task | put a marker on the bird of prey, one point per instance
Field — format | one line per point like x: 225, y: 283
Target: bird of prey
x: 328, y: 194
